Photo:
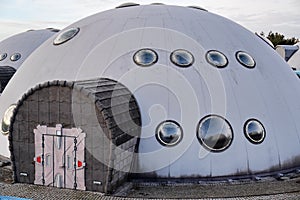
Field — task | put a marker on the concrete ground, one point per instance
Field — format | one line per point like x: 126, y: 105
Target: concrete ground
x: 280, y: 188
x: 265, y: 189
x: 40, y: 192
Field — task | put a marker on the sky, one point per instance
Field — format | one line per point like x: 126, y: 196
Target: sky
x: 17, y: 16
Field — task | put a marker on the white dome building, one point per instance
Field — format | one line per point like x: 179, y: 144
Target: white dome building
x: 15, y: 50
x: 155, y: 91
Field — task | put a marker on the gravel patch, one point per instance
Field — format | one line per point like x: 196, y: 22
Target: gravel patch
x: 287, y: 187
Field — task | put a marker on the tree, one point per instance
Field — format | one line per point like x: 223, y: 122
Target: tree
x: 279, y: 39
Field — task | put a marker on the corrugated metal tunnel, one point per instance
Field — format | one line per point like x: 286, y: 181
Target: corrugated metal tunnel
x: 79, y: 135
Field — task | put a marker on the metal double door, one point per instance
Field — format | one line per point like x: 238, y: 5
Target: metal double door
x: 59, y: 157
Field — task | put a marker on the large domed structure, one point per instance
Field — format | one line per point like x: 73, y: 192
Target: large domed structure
x: 154, y: 91
x: 15, y: 49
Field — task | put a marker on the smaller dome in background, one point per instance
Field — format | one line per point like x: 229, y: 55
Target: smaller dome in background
x: 16, y: 49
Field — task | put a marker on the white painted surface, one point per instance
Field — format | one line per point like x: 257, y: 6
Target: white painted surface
x: 24, y: 43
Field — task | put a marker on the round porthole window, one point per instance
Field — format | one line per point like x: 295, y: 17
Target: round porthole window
x: 245, y: 59
x: 254, y: 131
x: 197, y: 7
x: 5, y: 123
x: 125, y: 5
x: 145, y: 57
x: 182, y: 58
x: 157, y: 4
x: 214, y: 133
x: 216, y: 59
x: 3, y: 56
x: 169, y: 133
x: 66, y: 36
x: 15, y: 57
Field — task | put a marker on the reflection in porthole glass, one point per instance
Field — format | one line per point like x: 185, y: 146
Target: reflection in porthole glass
x: 169, y: 133
x: 245, y: 59
x: 254, y: 131
x: 66, y: 36
x: 215, y: 133
x: 15, y: 57
x: 216, y: 59
x: 5, y: 123
x: 145, y: 57
x: 3, y: 56
x: 182, y: 58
